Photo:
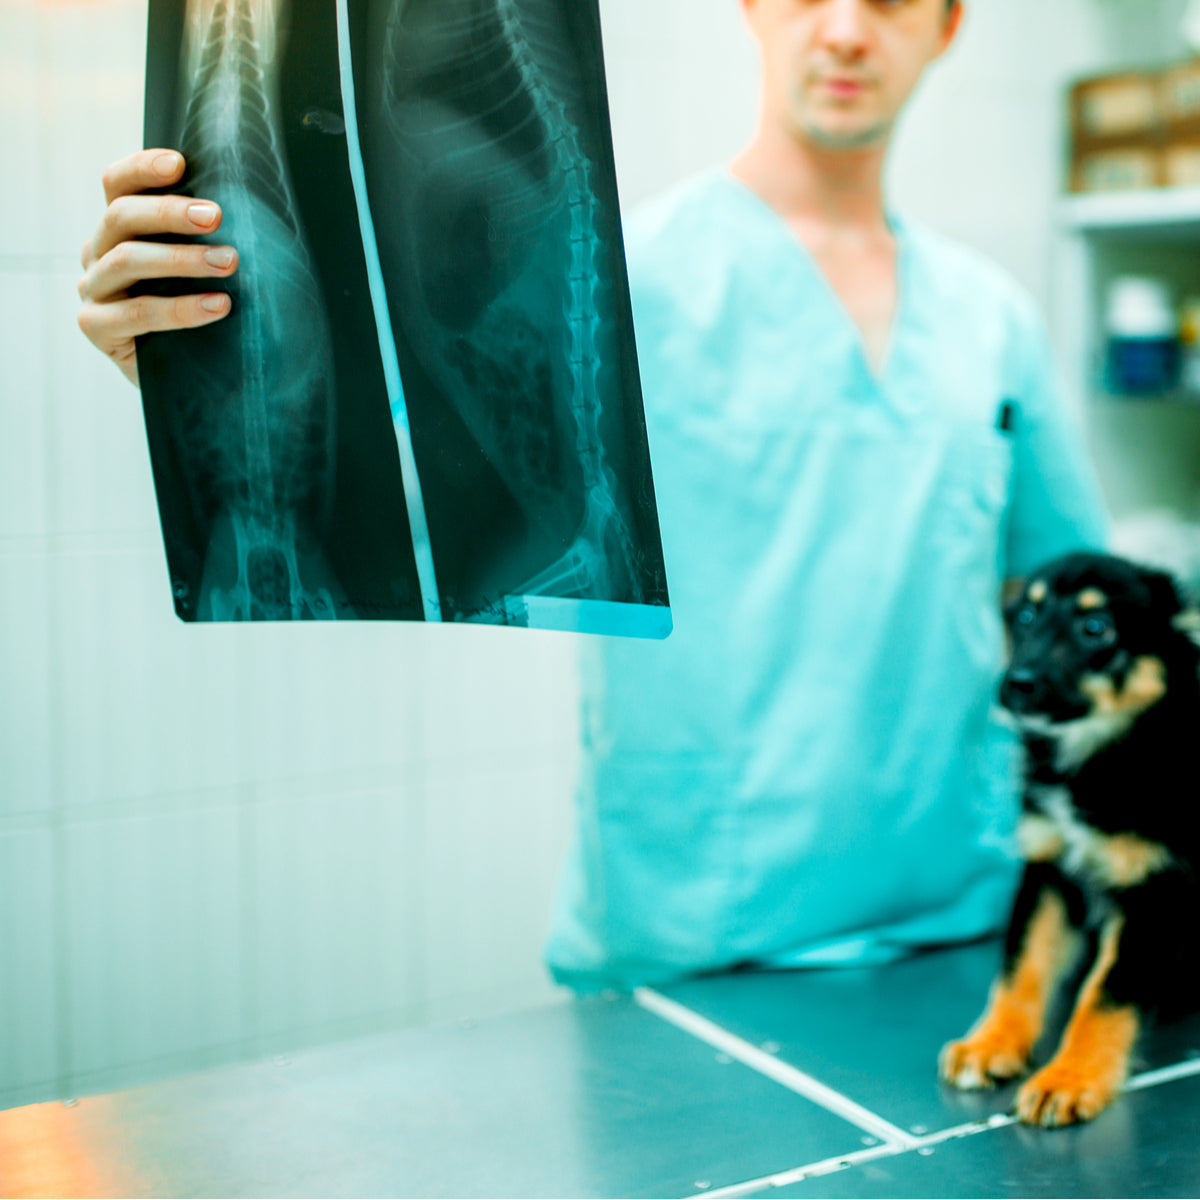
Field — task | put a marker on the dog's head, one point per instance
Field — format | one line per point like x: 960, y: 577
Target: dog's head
x: 1095, y: 640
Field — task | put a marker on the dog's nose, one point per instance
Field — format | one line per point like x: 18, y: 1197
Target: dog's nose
x: 1018, y: 689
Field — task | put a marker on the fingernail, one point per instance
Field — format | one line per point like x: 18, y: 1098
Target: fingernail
x: 214, y: 303
x: 202, y: 214
x: 218, y: 256
x: 166, y: 164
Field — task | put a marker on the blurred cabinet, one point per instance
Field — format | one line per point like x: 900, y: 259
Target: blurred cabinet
x: 1146, y: 448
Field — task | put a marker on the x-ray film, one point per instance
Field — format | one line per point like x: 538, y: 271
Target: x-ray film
x: 424, y: 404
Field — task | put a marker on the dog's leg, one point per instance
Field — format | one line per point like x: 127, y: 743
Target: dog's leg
x: 1092, y: 1059
x: 1038, y: 947
x: 1145, y: 965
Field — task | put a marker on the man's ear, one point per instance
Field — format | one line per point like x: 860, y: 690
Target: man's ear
x: 951, y: 26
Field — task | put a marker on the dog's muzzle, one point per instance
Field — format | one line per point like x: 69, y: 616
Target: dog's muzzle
x: 1028, y: 693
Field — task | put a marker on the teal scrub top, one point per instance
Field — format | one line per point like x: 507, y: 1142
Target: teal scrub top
x: 810, y: 770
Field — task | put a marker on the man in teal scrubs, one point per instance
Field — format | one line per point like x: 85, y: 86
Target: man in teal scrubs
x: 856, y: 438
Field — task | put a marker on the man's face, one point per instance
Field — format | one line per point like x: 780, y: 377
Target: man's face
x: 838, y: 72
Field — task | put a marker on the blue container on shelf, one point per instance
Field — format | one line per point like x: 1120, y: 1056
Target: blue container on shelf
x: 1143, y: 354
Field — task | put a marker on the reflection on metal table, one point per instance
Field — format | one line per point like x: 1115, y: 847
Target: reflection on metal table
x: 799, y: 1083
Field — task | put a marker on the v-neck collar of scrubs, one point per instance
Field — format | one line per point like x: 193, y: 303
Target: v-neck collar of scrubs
x: 877, y: 377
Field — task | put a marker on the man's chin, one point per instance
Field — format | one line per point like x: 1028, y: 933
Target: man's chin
x: 833, y: 134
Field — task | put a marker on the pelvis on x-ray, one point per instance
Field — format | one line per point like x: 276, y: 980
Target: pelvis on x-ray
x: 474, y: 199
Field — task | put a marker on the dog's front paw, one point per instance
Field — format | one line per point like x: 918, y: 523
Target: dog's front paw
x: 1063, y: 1093
x: 980, y: 1059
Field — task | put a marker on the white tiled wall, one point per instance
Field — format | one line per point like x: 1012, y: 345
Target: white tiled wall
x: 218, y: 842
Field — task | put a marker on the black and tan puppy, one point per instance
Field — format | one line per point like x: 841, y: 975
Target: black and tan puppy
x: 1103, y: 686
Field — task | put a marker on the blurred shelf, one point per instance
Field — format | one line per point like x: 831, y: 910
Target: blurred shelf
x: 1159, y: 213
x: 1176, y: 399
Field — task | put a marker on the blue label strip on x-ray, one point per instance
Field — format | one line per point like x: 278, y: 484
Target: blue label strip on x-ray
x: 422, y: 549
x: 589, y: 616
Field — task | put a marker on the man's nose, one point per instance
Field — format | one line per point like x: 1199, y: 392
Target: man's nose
x: 844, y: 26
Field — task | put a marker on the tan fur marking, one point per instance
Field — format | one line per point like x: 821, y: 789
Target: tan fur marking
x: 1188, y: 622
x: 1093, y: 1057
x: 999, y: 1043
x: 1145, y: 685
x: 1037, y: 591
x: 1091, y: 598
x: 1039, y: 838
x: 1124, y: 859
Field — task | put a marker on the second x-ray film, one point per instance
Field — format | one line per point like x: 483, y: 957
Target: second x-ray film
x: 424, y: 403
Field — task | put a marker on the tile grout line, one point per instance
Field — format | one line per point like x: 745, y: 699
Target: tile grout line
x: 774, y: 1068
x: 1180, y: 1070
x: 827, y: 1166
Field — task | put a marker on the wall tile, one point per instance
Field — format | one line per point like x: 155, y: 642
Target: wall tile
x: 154, y: 939
x: 668, y: 121
x: 23, y: 412
x: 488, y: 692
x: 26, y: 699
x: 28, y: 1002
x: 336, y: 910
x: 488, y: 897
x: 333, y: 702
x: 150, y: 707
x: 90, y: 60
x: 20, y: 205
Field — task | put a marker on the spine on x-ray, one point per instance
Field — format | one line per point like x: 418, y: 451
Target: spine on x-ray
x: 271, y: 453
x: 586, y: 566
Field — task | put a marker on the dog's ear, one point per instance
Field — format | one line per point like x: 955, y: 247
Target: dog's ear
x: 1164, y: 594
x: 1012, y: 596
x: 1010, y: 610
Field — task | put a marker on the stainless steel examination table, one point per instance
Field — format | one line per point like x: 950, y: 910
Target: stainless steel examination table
x: 817, y: 1083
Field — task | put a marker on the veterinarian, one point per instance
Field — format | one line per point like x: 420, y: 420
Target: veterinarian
x: 856, y: 437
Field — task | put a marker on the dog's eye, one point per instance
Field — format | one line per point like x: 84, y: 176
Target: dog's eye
x: 1097, y: 627
x: 1025, y: 615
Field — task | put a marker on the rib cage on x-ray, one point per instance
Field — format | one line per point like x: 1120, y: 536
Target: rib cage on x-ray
x: 255, y: 429
x: 487, y: 217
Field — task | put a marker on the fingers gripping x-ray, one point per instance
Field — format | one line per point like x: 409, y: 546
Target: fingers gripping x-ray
x: 491, y: 225
x: 258, y: 428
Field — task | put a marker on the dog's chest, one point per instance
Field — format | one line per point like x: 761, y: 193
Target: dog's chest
x: 1096, y: 860
x: 1055, y: 832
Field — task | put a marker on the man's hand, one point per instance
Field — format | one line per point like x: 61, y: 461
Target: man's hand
x: 114, y: 260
